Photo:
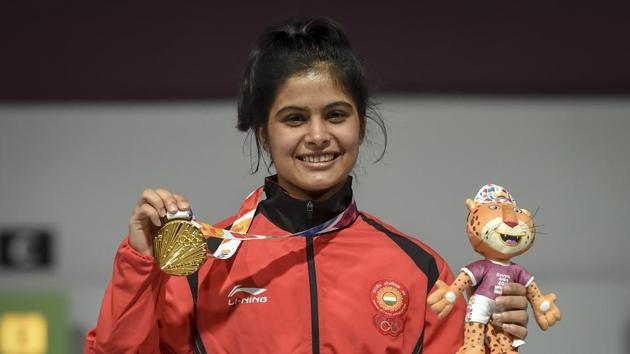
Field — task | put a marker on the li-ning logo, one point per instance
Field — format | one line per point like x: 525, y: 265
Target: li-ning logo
x: 252, y: 298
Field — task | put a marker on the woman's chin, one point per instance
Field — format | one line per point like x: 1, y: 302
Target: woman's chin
x: 317, y: 186
x: 325, y: 189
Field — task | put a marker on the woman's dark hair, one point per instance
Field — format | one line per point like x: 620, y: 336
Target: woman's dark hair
x: 293, y: 47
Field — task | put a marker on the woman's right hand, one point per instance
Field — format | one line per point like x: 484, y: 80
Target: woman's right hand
x: 147, y: 217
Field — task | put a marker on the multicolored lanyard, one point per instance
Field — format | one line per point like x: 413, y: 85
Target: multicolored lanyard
x: 182, y: 245
x: 233, y: 237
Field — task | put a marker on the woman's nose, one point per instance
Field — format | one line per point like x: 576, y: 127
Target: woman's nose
x: 317, y: 134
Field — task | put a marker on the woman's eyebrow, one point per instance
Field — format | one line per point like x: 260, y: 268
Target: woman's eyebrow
x: 338, y: 103
x: 291, y: 108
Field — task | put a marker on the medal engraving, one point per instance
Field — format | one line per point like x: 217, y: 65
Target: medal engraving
x: 179, y: 248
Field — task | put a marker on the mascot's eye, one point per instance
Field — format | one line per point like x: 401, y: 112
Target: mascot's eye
x: 494, y: 207
x: 518, y: 211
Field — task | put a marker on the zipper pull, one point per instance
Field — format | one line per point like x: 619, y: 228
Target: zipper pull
x: 309, y: 210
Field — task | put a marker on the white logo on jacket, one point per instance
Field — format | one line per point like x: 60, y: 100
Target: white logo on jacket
x: 252, y: 298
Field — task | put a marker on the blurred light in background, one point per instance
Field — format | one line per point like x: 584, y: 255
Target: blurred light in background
x: 33, y: 323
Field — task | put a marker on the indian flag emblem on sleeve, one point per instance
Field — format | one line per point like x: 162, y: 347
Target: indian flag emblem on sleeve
x: 389, y: 297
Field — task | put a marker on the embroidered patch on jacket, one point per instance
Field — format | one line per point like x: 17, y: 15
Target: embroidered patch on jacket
x: 388, y: 325
x: 390, y: 299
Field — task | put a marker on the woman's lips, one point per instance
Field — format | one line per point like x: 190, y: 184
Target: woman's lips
x: 321, y: 161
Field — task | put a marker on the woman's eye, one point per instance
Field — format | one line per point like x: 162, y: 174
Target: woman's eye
x: 337, y: 116
x: 294, y: 119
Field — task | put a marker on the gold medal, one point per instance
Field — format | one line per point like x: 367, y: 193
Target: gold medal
x: 179, y: 247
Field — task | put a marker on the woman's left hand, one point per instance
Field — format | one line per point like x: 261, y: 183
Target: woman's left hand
x: 514, y: 317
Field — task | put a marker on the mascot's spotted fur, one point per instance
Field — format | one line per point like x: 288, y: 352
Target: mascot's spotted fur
x: 499, y: 230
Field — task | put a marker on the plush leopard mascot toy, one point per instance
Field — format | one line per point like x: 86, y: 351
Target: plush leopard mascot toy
x: 499, y: 230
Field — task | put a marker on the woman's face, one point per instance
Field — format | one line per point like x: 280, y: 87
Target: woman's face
x: 313, y: 135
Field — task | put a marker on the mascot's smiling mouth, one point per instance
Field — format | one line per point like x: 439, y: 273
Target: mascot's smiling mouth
x: 511, y: 240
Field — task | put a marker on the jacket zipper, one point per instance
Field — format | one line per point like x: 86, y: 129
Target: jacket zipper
x: 312, y: 281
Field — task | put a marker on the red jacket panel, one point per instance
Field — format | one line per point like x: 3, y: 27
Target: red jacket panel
x: 361, y: 289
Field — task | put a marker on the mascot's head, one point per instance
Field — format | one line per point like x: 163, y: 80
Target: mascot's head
x: 497, y: 228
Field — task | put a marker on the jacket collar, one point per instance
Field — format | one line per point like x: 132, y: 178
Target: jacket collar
x: 295, y: 215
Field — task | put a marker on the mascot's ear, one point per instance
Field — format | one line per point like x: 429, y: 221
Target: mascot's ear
x: 470, y: 204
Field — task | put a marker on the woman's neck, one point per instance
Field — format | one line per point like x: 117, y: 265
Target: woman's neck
x: 292, y: 214
x: 303, y: 194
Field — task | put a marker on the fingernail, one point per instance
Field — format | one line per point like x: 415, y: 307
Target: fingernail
x: 162, y: 212
x: 499, y: 301
x: 496, y: 317
x: 172, y: 208
x: 505, y: 326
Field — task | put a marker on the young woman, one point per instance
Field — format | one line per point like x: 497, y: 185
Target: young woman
x: 360, y: 288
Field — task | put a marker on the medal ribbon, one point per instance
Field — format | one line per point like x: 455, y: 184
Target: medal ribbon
x: 238, y: 232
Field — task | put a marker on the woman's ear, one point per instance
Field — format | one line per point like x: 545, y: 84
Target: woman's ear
x: 362, y: 127
x: 261, y: 135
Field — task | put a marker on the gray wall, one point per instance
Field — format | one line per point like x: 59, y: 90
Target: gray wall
x: 78, y: 168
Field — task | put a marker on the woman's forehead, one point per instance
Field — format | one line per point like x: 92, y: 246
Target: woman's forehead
x: 310, y: 90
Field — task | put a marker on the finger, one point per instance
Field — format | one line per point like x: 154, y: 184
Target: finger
x: 516, y: 331
x: 438, y: 293
x: 518, y: 318
x: 514, y: 289
x: 512, y: 302
x: 439, y: 306
x: 182, y: 202
x: 169, y: 201
x: 440, y: 285
x: 553, y: 316
x: 148, y: 212
x: 435, y: 297
x: 556, y: 313
x: 149, y: 196
x: 550, y: 319
x: 445, y: 311
x: 542, y: 322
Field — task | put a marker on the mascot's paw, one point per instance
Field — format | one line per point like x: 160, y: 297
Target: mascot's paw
x: 546, y: 311
x: 466, y: 349
x: 441, y: 300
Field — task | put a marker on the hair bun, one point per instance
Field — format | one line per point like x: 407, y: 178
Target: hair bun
x: 318, y: 30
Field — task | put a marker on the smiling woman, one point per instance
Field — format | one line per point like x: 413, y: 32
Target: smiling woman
x: 291, y: 58
x: 327, y: 277
x: 313, y: 135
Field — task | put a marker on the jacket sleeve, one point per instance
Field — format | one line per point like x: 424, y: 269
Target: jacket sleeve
x: 444, y: 336
x: 133, y: 308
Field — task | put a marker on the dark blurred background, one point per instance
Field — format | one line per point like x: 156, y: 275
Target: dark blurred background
x: 88, y: 50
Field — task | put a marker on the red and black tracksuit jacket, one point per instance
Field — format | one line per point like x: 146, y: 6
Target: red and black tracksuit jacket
x: 361, y: 289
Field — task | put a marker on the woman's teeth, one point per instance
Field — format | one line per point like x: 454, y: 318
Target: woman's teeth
x: 318, y: 158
